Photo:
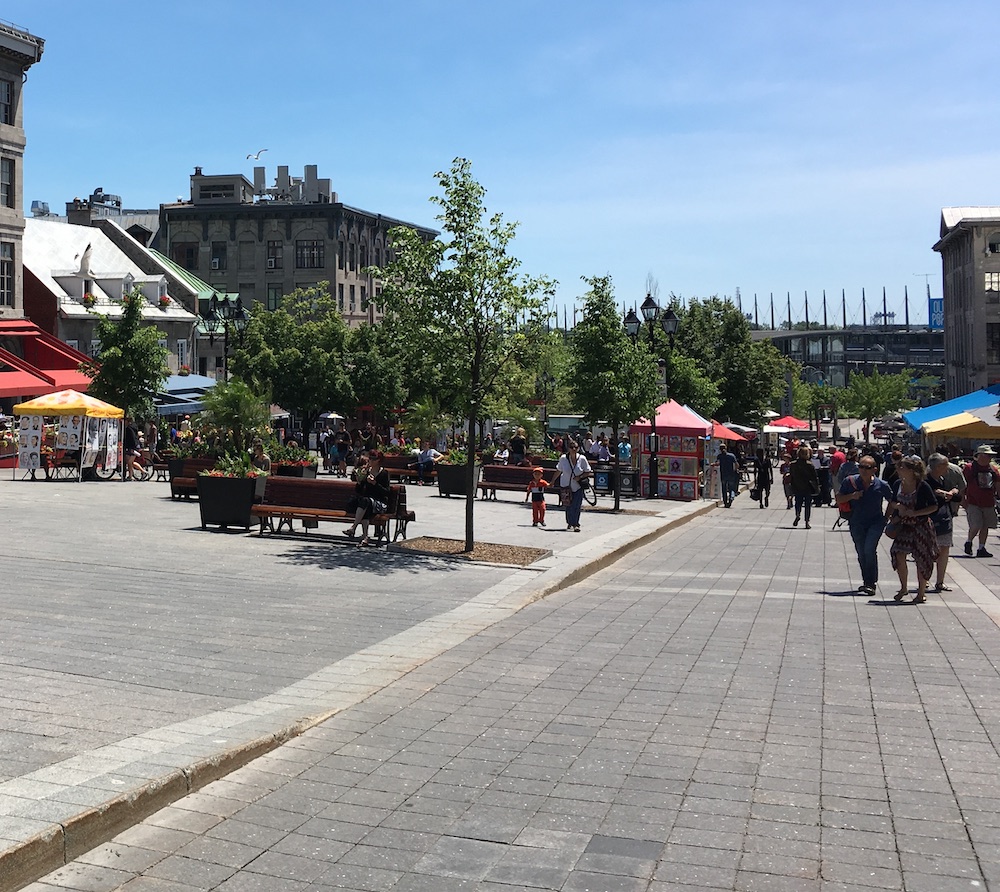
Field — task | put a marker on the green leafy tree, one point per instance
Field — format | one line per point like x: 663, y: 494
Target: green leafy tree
x: 131, y: 365
x: 376, y: 370
x: 298, y: 354
x: 613, y: 378
x: 874, y: 395
x: 461, y: 301
x: 747, y: 373
x: 690, y: 386
x: 237, y: 412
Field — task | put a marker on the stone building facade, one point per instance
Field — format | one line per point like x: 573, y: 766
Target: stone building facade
x: 19, y: 50
x: 263, y: 242
x: 969, y: 246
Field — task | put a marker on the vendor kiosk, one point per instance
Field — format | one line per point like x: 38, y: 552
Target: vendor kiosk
x: 676, y: 443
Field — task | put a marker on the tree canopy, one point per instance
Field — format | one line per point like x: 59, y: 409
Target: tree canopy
x: 871, y: 396
x: 131, y: 366
x: 298, y: 354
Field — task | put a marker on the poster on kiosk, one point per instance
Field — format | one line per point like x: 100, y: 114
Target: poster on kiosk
x: 676, y: 443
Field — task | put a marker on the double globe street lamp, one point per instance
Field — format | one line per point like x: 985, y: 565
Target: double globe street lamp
x: 667, y: 319
x: 227, y: 314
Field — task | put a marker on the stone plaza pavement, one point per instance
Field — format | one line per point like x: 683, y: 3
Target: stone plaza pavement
x: 718, y: 709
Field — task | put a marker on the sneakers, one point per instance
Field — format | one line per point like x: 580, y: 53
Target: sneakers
x: 869, y: 590
x: 968, y: 549
x: 541, y: 523
x: 795, y: 522
x: 982, y: 552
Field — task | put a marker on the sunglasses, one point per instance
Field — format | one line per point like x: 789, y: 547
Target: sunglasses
x: 867, y: 467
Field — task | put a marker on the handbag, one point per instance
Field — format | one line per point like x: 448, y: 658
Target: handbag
x: 755, y: 494
x: 565, y: 496
x: 892, y: 528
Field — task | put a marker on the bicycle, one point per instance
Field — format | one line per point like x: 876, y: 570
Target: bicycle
x: 145, y: 469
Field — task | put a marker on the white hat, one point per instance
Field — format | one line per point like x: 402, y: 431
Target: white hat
x: 985, y: 449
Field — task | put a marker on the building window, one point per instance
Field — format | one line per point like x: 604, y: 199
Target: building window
x: 364, y: 256
x: 309, y: 254
x: 216, y: 191
x: 6, y: 102
x: 6, y: 274
x: 7, y: 182
x: 340, y: 298
x: 364, y: 299
x: 218, y: 255
x: 993, y: 343
x: 73, y: 342
x: 340, y: 254
x: 353, y: 306
x: 182, y: 354
x: 274, y: 296
x: 378, y: 257
x: 248, y: 256
x: 185, y: 254
x: 992, y: 281
x: 352, y: 257
x: 275, y: 254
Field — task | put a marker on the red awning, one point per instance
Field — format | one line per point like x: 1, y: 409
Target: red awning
x: 675, y: 417
x: 721, y: 432
x: 45, y: 364
x: 791, y: 421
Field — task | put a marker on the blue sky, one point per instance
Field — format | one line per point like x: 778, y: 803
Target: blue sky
x: 770, y: 146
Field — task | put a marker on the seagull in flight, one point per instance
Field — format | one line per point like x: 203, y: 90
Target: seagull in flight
x: 257, y: 156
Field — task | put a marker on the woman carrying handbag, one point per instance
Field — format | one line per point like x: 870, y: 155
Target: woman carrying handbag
x: 913, y: 503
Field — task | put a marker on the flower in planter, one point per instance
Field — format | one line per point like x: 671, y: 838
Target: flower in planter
x: 164, y: 302
x: 184, y: 370
x: 89, y: 300
x: 230, y: 465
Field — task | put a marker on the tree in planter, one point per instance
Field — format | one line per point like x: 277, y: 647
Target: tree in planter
x: 461, y: 301
x: 237, y: 412
x: 613, y: 378
x: 131, y: 365
x: 298, y: 353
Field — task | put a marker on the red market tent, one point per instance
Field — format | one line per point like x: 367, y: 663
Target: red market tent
x: 721, y: 432
x: 677, y: 419
x: 791, y: 421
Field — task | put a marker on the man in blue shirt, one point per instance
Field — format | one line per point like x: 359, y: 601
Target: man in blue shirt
x: 865, y: 493
x: 729, y: 474
x: 625, y: 450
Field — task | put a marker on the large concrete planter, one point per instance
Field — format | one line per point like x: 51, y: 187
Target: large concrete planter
x: 451, y: 479
x: 226, y: 501
x: 307, y: 471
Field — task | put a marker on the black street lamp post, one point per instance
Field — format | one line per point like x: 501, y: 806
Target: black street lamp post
x: 229, y: 314
x: 668, y: 321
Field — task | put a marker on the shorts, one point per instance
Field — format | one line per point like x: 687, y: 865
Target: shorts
x: 981, y: 518
x: 945, y: 540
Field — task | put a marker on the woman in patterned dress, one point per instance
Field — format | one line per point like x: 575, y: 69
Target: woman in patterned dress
x: 913, y: 503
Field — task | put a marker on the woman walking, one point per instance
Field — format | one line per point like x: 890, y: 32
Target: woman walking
x: 937, y: 473
x: 913, y: 503
x: 805, y: 484
x: 574, y: 469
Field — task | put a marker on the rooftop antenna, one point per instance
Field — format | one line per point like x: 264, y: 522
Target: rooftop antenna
x: 927, y: 280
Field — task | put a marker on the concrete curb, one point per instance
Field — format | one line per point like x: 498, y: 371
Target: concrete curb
x: 57, y: 845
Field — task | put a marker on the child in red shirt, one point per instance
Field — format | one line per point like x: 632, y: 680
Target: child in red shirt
x: 536, y: 492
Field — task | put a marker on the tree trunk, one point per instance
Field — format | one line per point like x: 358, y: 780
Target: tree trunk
x: 470, y: 484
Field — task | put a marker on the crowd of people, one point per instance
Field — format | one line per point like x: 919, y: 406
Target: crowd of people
x: 886, y: 492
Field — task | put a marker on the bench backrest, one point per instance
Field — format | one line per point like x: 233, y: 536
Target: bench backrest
x: 192, y: 467
x: 515, y: 474
x: 398, y: 461
x: 328, y: 495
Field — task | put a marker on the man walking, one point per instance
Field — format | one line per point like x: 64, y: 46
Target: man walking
x: 864, y: 494
x: 729, y: 475
x: 982, y: 487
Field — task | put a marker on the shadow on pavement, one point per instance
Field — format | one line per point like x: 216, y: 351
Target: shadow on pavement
x: 337, y: 555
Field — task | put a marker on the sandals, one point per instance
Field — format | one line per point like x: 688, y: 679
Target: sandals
x: 899, y: 595
x: 941, y: 587
x: 349, y: 533
x: 364, y: 542
x: 919, y: 599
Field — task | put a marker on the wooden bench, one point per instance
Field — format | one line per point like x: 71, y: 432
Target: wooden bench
x: 404, y: 468
x: 310, y: 501
x: 184, y: 481
x: 513, y: 478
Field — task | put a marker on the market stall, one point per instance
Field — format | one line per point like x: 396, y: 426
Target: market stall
x: 677, y: 440
x: 85, y: 431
